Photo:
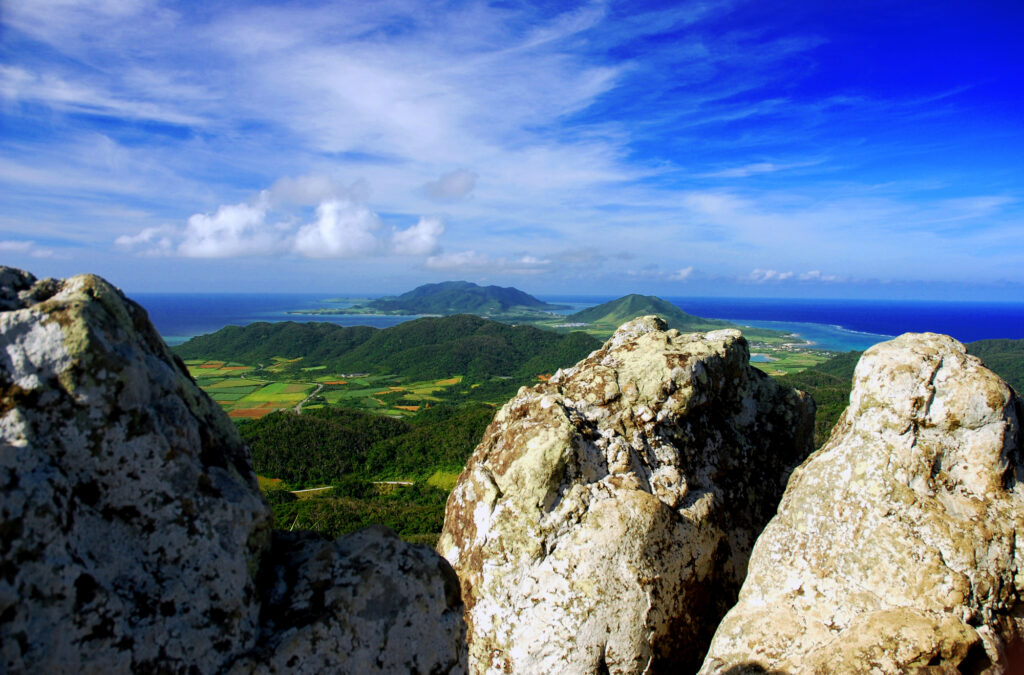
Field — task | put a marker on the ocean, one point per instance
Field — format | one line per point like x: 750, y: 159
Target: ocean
x: 836, y: 325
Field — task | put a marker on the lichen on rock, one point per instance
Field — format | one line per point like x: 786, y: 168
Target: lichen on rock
x: 133, y: 537
x: 603, y: 523
x: 897, y: 545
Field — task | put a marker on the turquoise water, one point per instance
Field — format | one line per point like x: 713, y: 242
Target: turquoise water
x: 821, y: 336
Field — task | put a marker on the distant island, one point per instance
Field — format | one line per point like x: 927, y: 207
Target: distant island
x: 511, y: 305
x: 612, y: 314
x: 453, y: 297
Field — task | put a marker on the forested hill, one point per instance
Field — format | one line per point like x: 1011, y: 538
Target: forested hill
x: 421, y: 349
x: 460, y: 297
x: 612, y: 314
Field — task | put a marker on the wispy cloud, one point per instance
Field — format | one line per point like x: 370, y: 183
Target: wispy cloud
x: 453, y: 133
x: 454, y: 185
x: 473, y: 261
x: 760, y: 276
x: 753, y: 169
x: 25, y: 247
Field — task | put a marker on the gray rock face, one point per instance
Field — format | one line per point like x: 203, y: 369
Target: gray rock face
x: 133, y: 537
x: 365, y: 603
x: 898, y: 544
x: 604, y: 522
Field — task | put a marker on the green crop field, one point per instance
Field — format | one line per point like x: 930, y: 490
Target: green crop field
x: 784, y: 362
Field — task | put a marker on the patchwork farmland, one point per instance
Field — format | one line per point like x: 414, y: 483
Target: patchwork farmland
x: 250, y: 392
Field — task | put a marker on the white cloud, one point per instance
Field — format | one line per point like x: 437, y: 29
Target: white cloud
x: 454, y: 185
x: 420, y: 239
x: 816, y: 275
x: 343, y: 229
x: 682, y: 274
x: 54, y: 90
x: 25, y: 248
x: 271, y: 224
x: 760, y: 276
x: 152, y: 241
x: 234, y: 230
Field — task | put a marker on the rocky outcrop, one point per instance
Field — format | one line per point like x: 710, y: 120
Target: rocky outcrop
x: 604, y: 522
x: 898, y: 544
x: 133, y: 537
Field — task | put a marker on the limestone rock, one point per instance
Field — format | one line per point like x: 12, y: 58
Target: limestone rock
x: 604, y: 522
x: 898, y: 544
x: 133, y: 537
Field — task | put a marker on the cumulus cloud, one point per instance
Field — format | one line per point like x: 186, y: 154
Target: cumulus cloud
x: 420, y: 239
x: 760, y: 276
x: 343, y: 229
x: 682, y: 274
x: 454, y: 185
x: 234, y: 230
x: 278, y: 222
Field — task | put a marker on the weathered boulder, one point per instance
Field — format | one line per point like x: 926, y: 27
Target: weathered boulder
x: 604, y: 522
x: 898, y: 544
x: 133, y: 537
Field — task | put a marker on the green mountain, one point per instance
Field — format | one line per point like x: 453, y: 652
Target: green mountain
x: 421, y: 349
x: 617, y: 312
x: 611, y: 315
x: 461, y: 297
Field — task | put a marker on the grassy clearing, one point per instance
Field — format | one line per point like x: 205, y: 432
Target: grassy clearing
x: 269, y: 483
x: 443, y: 480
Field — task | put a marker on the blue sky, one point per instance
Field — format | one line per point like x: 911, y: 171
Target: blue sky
x: 815, y: 149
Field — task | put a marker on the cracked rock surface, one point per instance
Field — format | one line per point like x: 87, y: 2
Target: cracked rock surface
x: 898, y: 544
x: 133, y: 537
x: 605, y: 520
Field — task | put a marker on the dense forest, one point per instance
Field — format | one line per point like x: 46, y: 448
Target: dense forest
x: 329, y: 445
x: 359, y: 453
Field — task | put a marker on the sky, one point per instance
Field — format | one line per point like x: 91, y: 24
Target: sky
x: 832, y: 149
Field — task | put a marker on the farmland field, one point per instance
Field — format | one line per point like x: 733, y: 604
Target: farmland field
x: 252, y: 391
